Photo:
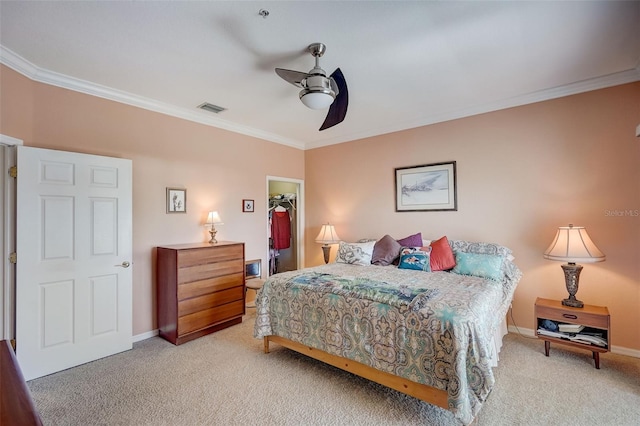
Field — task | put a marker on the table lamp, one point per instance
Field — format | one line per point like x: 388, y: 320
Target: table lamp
x: 213, y: 219
x: 327, y: 236
x: 572, y: 244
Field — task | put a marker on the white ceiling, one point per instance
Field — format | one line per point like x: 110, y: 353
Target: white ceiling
x: 407, y: 64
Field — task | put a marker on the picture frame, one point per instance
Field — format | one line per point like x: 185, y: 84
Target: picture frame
x: 248, y: 206
x: 428, y: 187
x: 176, y: 200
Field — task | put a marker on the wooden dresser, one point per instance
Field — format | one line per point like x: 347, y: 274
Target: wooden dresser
x: 200, y: 289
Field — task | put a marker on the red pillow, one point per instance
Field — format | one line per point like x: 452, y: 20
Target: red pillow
x: 442, y: 257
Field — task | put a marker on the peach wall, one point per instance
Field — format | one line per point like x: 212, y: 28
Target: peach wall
x: 217, y: 167
x: 522, y: 172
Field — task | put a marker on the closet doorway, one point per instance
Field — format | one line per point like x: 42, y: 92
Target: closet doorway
x: 285, y: 219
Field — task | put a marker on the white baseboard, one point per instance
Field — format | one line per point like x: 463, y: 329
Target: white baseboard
x: 144, y: 336
x: 524, y: 331
x: 625, y: 351
x: 620, y: 350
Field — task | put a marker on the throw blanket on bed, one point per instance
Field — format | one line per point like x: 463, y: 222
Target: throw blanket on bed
x: 412, y: 297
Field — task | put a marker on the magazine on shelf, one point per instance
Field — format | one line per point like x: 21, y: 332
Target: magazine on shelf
x: 570, y: 328
x: 575, y: 337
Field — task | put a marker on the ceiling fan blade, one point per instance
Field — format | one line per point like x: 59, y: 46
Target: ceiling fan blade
x: 338, y: 109
x: 293, y: 77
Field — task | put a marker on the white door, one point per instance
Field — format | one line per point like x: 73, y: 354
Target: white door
x: 73, y: 280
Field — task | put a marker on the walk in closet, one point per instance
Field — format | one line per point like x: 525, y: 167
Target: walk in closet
x: 283, y: 236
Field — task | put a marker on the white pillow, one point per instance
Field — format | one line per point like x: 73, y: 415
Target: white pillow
x: 355, y: 253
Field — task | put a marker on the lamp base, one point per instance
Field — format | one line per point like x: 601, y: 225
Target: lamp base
x: 213, y: 233
x: 326, y: 249
x: 571, y: 278
x: 574, y: 303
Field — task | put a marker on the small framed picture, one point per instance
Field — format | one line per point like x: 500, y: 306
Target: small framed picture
x: 247, y: 206
x: 176, y: 200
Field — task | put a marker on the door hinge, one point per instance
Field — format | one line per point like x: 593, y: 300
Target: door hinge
x: 13, y: 171
x: 13, y: 344
x: 13, y: 258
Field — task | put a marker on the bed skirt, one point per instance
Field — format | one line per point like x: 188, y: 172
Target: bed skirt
x: 496, y: 345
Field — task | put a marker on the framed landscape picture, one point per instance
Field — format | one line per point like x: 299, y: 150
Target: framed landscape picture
x: 429, y: 187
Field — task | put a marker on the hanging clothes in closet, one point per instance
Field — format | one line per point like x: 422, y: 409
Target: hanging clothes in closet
x: 281, y: 228
x: 282, y: 233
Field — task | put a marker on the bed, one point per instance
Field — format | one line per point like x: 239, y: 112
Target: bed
x: 433, y: 335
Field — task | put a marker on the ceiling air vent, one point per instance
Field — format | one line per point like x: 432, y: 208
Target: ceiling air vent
x: 211, y: 108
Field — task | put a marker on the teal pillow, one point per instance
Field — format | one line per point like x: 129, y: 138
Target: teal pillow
x: 417, y: 260
x: 479, y: 265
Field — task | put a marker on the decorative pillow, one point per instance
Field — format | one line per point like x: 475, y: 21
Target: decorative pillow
x: 442, y: 257
x: 385, y: 251
x: 355, y: 253
x: 414, y: 240
x: 479, y: 265
x: 480, y: 248
x: 409, y: 250
x: 415, y: 258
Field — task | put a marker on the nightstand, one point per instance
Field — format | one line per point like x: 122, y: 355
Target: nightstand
x: 595, y: 319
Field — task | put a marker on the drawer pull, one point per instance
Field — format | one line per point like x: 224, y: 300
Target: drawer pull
x: 570, y: 316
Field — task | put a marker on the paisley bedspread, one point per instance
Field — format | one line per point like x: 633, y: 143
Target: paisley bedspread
x: 436, y: 329
x: 377, y: 291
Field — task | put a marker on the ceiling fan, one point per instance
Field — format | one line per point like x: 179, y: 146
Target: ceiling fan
x: 318, y: 90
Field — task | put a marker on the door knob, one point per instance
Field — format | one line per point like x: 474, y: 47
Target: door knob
x: 124, y: 264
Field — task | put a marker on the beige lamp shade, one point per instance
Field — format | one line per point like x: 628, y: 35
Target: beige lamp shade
x: 572, y: 244
x: 327, y: 235
x: 214, y: 219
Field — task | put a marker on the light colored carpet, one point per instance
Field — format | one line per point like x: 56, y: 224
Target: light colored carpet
x: 226, y: 379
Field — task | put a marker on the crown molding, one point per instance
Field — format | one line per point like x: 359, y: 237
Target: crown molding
x: 615, y: 79
x: 26, y: 68
x: 35, y: 73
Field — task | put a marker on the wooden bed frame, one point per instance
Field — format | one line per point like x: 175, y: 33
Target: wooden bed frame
x: 417, y: 390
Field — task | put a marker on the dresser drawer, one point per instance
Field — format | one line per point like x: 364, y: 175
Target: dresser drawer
x: 215, y: 254
x: 208, y: 317
x: 199, y: 288
x: 573, y: 316
x: 208, y: 301
x: 209, y: 270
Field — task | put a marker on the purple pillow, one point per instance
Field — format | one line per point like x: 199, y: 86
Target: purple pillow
x: 414, y: 240
x: 385, y: 251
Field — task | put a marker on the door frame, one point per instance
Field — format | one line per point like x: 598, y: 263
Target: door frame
x: 8, y: 237
x: 299, y: 216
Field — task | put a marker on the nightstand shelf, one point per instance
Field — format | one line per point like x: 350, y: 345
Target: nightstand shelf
x: 595, y: 319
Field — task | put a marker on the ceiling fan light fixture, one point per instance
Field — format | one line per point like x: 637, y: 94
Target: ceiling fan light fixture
x: 317, y: 92
x: 316, y: 100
